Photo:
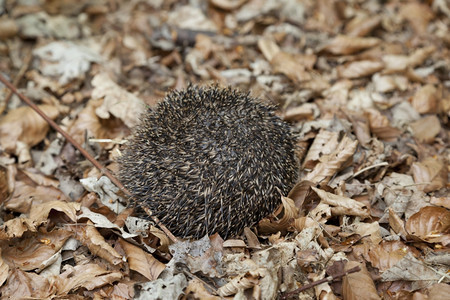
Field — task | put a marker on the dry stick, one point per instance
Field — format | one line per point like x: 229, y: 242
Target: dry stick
x: 81, y: 149
x: 326, y: 279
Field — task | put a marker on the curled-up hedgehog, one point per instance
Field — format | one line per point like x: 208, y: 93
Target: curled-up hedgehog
x: 209, y: 159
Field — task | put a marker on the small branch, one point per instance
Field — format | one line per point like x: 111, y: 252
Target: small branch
x: 314, y: 283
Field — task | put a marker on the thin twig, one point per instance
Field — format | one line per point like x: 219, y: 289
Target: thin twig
x: 314, y: 283
x: 89, y: 157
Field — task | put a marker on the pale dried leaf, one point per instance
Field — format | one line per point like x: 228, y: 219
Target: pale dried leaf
x: 242, y: 282
x: 141, y: 261
x: 397, y: 63
x: 117, y: 101
x: 293, y: 65
x: 359, y: 69
x: 426, y: 100
x: 269, y: 48
x: 397, y: 223
x: 324, y: 143
x: 4, y: 269
x: 342, y: 205
x: 88, y: 276
x: 16, y: 227
x: 23, y: 285
x: 228, y: 4
x: 410, y: 268
x: 345, y: 45
x: 362, y: 25
x: 332, y: 163
x: 389, y: 83
x: 39, y: 213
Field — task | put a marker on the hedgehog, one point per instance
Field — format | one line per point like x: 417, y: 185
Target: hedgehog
x: 209, y: 159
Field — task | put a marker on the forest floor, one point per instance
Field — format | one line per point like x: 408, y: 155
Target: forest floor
x: 365, y: 84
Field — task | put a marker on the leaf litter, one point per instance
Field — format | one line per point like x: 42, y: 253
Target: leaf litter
x: 365, y: 85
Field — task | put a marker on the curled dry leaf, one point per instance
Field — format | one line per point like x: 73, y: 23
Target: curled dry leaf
x: 426, y: 100
x: 33, y: 252
x: 39, y: 213
x: 25, y: 125
x: 359, y: 69
x: 430, y: 224
x: 290, y: 212
x: 430, y: 174
x: 397, y: 223
x: 242, y: 282
x: 293, y: 65
x: 141, y: 261
x: 89, y: 236
x: 88, y: 276
x: 358, y: 285
x: 345, y: 45
x: 342, y: 205
x: 330, y: 164
x: 418, y: 15
x: 16, y: 227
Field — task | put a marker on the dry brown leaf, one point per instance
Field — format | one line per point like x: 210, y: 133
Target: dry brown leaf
x: 16, y: 228
x: 197, y: 290
x: 397, y: 223
x: 25, y: 125
x: 294, y: 66
x: 23, y: 285
x: 387, y: 254
x: 345, y: 45
x: 299, y: 192
x: 330, y: 164
x: 39, y: 213
x: 426, y: 129
x: 88, y: 276
x: 242, y: 282
x: 234, y: 243
x: 430, y: 224
x: 324, y: 143
x: 438, y: 291
x: 141, y: 261
x: 411, y: 269
x: 441, y: 201
x: 357, y: 69
x: 358, y: 285
x: 228, y: 4
x: 361, y: 25
x: 89, y: 123
x: 425, y: 100
x: 8, y: 28
x: 342, y: 205
x: 89, y: 236
x: 371, y: 231
x: 116, y: 101
x: 305, y: 222
x: 429, y: 174
x: 4, y: 269
x: 398, y: 63
x: 33, y: 251
x: 418, y: 15
x: 306, y: 111
x: 268, y: 48
x: 380, y: 126
x: 25, y: 195
x: 290, y: 212
x: 389, y: 83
